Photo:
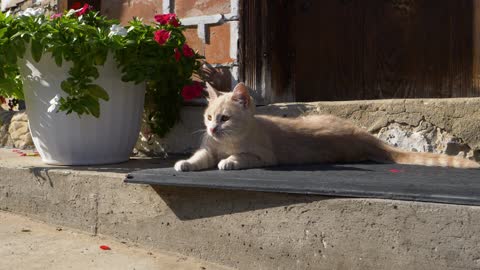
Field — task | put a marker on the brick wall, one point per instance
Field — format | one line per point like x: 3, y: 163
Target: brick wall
x: 212, y: 28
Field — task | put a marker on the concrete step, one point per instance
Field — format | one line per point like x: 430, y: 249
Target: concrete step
x: 29, y: 244
x: 240, y: 229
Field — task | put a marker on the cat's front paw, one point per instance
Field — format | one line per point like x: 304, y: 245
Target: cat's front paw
x: 183, y: 166
x: 227, y: 165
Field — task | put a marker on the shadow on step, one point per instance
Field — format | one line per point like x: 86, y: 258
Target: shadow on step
x: 198, y: 203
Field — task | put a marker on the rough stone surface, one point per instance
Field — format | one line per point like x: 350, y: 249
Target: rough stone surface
x: 245, y: 230
x: 5, y: 118
x: 20, y: 132
x: 14, y: 130
x: 424, y: 138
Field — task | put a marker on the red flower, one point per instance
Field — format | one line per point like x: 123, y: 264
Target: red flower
x: 161, y: 36
x: 192, y: 91
x: 164, y: 19
x: 178, y: 55
x: 76, y: 5
x: 84, y: 10
x: 187, y: 51
x: 55, y: 16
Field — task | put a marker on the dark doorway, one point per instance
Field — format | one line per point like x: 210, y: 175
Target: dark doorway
x: 354, y: 49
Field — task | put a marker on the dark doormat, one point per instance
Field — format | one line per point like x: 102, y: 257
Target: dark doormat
x: 386, y: 181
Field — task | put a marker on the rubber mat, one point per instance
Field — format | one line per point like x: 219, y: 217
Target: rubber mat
x: 386, y: 181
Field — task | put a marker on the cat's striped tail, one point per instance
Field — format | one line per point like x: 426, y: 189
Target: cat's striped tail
x: 430, y: 159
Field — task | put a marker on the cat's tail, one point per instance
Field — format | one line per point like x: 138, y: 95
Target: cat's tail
x: 430, y: 159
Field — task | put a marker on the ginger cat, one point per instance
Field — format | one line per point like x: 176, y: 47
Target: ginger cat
x: 238, y: 139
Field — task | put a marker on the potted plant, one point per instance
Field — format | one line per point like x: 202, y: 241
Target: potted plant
x: 83, y: 78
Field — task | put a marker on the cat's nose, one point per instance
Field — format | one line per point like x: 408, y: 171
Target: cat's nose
x: 213, y: 130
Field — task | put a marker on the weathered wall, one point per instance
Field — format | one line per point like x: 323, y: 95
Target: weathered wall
x: 450, y: 126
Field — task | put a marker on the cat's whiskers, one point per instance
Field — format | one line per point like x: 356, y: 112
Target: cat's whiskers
x: 203, y: 130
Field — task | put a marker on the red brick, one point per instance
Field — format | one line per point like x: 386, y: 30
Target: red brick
x: 193, y: 40
x: 218, y: 50
x: 125, y: 10
x: 191, y: 8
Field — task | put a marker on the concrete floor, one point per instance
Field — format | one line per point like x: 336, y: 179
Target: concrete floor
x: 241, y: 229
x: 28, y: 244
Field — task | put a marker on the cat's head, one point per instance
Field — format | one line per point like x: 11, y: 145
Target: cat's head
x: 228, y: 115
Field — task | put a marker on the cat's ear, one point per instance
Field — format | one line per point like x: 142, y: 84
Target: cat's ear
x: 241, y: 95
x: 212, y: 93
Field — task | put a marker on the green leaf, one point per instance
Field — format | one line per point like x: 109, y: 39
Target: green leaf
x: 20, y: 48
x: 92, y: 105
x: 97, y: 91
x: 37, y: 50
x: 6, y: 84
x: 18, y: 34
x: 100, y: 58
x: 3, y: 31
x: 67, y: 86
x: 11, y: 56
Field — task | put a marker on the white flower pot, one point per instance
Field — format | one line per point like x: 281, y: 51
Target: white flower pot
x: 72, y: 140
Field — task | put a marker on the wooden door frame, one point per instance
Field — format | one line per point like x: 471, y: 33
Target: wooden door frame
x: 265, y: 50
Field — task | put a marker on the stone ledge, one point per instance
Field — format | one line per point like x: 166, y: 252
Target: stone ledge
x: 246, y: 230
x: 448, y: 126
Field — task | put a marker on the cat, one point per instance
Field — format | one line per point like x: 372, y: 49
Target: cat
x: 236, y: 139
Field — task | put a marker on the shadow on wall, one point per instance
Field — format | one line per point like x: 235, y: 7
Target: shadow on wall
x: 220, y: 78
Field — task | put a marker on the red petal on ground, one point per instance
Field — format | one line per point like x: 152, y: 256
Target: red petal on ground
x: 103, y: 247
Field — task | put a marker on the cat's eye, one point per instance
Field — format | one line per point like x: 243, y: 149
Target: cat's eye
x: 209, y: 118
x: 224, y: 118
